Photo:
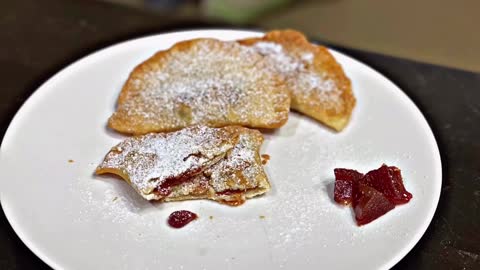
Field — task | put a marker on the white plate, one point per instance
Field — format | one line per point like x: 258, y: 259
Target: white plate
x: 74, y: 220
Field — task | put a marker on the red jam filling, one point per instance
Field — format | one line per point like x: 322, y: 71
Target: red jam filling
x: 373, y: 194
x: 179, y: 219
x: 344, y: 179
x: 370, y: 204
x: 388, y: 180
x: 166, y: 187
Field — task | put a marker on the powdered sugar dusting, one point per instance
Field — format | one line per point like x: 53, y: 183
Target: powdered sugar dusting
x: 307, y: 57
x: 279, y: 60
x: 268, y: 47
x: 309, y: 80
x: 242, y: 166
x: 240, y: 170
x: 212, y: 82
x: 211, y: 159
x: 307, y: 85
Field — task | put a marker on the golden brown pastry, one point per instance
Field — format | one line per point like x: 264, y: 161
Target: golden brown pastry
x: 221, y: 164
x: 201, y: 81
x: 319, y: 87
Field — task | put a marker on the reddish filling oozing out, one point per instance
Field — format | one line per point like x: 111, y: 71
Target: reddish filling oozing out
x: 371, y: 195
x: 179, y: 219
x: 236, y: 197
x: 388, y: 180
x: 165, y: 188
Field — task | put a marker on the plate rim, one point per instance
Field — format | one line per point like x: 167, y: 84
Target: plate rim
x: 22, y: 235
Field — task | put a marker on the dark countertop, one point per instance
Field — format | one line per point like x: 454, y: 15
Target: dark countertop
x: 41, y: 37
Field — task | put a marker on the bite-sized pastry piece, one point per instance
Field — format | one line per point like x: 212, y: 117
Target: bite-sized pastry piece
x: 147, y: 162
x: 201, y: 81
x: 319, y: 87
x: 388, y: 180
x: 221, y: 164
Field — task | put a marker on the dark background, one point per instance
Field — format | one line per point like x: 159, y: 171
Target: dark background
x: 38, y: 38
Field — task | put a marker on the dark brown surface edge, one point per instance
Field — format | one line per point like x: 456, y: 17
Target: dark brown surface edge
x: 41, y: 37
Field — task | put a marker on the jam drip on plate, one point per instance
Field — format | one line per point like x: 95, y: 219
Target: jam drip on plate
x: 179, y: 219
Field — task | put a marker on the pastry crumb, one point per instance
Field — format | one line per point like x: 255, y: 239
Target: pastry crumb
x: 210, y: 217
x: 262, y: 217
x: 71, y: 161
x: 265, y: 158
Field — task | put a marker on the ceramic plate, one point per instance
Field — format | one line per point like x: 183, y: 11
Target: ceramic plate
x: 72, y: 219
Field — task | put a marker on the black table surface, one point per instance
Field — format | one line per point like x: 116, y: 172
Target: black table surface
x: 38, y: 38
